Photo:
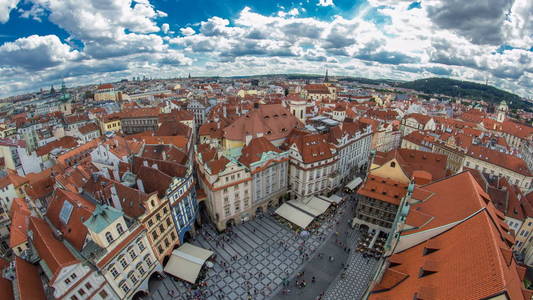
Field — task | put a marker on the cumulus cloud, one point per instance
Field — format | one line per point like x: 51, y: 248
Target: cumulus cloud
x: 479, y: 20
x: 325, y: 3
x: 187, y: 31
x: 5, y: 9
x: 126, y: 37
x: 36, y: 53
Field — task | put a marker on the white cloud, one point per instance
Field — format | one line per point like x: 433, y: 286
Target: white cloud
x: 36, y: 53
x: 325, y: 3
x: 121, y: 37
x: 5, y: 9
x: 187, y: 31
x: 165, y: 28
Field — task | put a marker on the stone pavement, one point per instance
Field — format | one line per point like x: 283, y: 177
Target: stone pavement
x: 324, y: 270
x: 266, y: 253
x: 357, y: 278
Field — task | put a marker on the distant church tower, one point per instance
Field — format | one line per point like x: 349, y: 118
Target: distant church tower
x: 326, y: 78
x: 502, y: 111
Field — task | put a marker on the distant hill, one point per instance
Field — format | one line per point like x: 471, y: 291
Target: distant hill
x: 465, y: 89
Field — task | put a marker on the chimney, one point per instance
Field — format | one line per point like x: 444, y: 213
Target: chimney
x: 140, y: 185
x: 164, y: 155
x: 224, y: 111
x: 114, y: 198
x: 145, y: 163
x: 248, y: 139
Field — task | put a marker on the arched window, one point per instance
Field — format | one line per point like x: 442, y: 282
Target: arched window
x: 109, y: 237
x: 120, y: 230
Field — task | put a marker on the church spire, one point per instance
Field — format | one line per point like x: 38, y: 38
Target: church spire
x: 326, y: 78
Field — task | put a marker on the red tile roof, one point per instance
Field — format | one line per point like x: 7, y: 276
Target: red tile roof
x: 19, y: 214
x: 272, y: 120
x: 312, y: 147
x: 383, y: 189
x: 28, y: 281
x: 254, y: 150
x: 74, y: 231
x: 88, y: 128
x: 66, y: 142
x: 50, y: 249
x: 498, y: 158
x: 415, y: 160
x: 446, y: 203
x: 469, y: 261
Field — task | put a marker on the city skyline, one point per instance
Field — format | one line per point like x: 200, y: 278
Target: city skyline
x: 44, y: 42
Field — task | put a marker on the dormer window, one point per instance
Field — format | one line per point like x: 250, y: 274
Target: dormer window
x: 269, y: 132
x: 392, y: 164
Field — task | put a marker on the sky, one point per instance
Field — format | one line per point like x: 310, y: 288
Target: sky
x: 45, y: 42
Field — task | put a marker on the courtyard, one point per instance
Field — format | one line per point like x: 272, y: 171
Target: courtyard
x: 261, y: 259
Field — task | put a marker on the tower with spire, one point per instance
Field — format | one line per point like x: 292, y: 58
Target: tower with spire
x: 326, y: 78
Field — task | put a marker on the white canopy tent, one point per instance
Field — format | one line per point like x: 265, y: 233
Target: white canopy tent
x: 303, y: 206
x: 294, y: 215
x: 187, y: 261
x: 335, y: 199
x: 317, y: 204
x: 354, y: 183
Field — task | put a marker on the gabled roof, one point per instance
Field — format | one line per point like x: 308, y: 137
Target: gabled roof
x: 28, y: 282
x: 18, y: 230
x: 312, y: 147
x: 74, y: 231
x: 254, y: 150
x: 50, y: 249
x: 468, y: 261
x: 383, y: 189
x: 272, y: 120
x: 88, y: 128
x: 415, y: 160
x: 446, y: 203
x: 420, y: 118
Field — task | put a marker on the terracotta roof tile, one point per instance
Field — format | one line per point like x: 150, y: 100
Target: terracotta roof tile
x: 74, y: 230
x: 50, y: 249
x: 383, y: 189
x: 254, y: 150
x: 28, y: 282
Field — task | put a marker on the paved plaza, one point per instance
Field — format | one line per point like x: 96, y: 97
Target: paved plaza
x: 254, y: 261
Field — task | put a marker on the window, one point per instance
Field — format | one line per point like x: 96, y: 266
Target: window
x: 148, y: 261
x: 81, y: 292
x: 125, y: 288
x: 141, y: 245
x: 140, y: 268
x: 123, y: 263
x: 168, y: 221
x: 73, y: 297
x: 67, y: 281
x: 109, y: 237
x: 73, y: 276
x: 150, y: 223
x: 132, y: 253
x: 114, y: 272
x: 133, y: 278
x: 120, y: 230
x: 154, y: 234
